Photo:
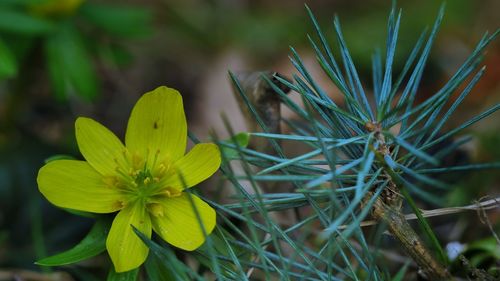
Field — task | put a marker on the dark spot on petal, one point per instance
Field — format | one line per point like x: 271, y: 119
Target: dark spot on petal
x: 155, y: 125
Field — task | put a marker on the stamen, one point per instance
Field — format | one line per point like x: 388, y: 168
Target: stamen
x: 172, y: 192
x: 136, y: 161
x: 123, y: 174
x: 119, y: 204
x: 133, y: 173
x: 157, y: 154
x: 161, y: 170
x: 110, y: 181
x: 146, y: 159
x: 156, y: 209
x: 125, y: 153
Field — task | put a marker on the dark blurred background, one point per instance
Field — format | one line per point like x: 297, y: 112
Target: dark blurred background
x: 68, y: 58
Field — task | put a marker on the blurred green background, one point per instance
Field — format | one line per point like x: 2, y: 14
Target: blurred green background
x: 60, y: 59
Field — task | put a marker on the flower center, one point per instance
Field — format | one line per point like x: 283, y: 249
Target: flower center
x: 143, y: 178
x: 143, y: 182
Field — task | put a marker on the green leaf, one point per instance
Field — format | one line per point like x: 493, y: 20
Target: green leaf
x: 20, y: 2
x: 241, y: 140
x: 8, y: 63
x: 16, y: 21
x: 59, y: 77
x: 157, y: 270
x: 123, y: 276
x: 70, y: 65
x: 488, y: 245
x: 93, y: 244
x: 119, y: 20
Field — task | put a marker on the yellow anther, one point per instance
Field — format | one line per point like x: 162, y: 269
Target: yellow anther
x: 161, y: 169
x: 133, y: 172
x: 172, y: 192
x: 119, y: 204
x: 157, y: 153
x: 125, y: 153
x: 147, y: 180
x: 156, y: 180
x: 155, y: 209
x: 110, y: 181
x: 136, y: 161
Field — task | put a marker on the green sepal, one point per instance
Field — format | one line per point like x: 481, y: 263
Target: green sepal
x: 58, y: 157
x: 81, y: 213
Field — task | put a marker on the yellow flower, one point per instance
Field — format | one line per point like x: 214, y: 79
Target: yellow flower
x: 142, y: 179
x: 56, y: 7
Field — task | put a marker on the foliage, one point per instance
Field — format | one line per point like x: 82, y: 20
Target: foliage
x: 65, y: 31
x: 332, y: 187
x: 299, y: 216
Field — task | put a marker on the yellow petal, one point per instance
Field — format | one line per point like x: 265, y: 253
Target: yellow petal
x: 100, y: 147
x: 126, y: 249
x: 76, y: 185
x: 157, y: 126
x: 179, y: 225
x: 196, y: 166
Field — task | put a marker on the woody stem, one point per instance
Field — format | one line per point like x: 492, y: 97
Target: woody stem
x: 388, y: 211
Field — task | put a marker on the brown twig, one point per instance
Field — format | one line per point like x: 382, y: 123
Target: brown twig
x: 387, y: 209
x: 399, y: 227
x: 475, y: 273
